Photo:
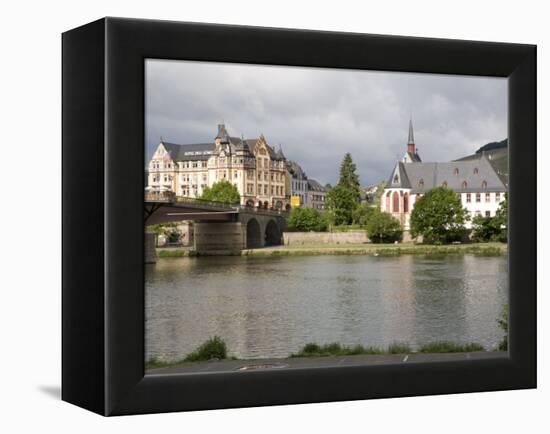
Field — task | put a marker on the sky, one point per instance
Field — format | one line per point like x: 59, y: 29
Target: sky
x: 319, y: 114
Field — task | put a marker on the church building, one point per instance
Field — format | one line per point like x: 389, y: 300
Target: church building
x: 476, y: 183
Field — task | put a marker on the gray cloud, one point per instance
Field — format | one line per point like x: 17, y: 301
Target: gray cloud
x: 317, y: 115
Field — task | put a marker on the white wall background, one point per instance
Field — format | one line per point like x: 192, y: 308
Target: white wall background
x: 30, y: 100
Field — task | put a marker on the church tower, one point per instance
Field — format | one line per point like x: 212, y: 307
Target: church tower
x: 411, y: 156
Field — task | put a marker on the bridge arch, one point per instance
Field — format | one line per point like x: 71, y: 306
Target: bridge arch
x: 272, y: 234
x: 253, y: 234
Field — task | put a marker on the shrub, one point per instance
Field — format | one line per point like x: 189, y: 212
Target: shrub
x: 307, y: 219
x: 382, y: 227
x: 486, y: 229
x: 439, y: 216
x: 361, y: 214
x: 213, y: 348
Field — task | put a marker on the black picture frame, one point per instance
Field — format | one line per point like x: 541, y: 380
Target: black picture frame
x: 103, y: 180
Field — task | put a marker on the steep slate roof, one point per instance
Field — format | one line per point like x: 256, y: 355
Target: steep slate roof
x: 295, y: 169
x: 198, y: 151
x: 312, y: 184
x: 435, y: 174
x: 415, y: 158
x: 402, y: 180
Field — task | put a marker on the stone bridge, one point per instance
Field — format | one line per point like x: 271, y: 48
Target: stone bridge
x: 219, y: 229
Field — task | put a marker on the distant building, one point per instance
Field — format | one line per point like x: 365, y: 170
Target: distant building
x: 475, y: 181
x: 297, y: 181
x: 316, y: 194
x: 255, y: 168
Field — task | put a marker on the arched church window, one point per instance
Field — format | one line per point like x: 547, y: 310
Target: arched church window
x: 406, y: 202
x: 395, y: 201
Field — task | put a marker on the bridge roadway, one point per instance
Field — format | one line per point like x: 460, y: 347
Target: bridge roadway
x: 219, y: 228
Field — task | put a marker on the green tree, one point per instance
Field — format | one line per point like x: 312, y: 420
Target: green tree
x: 348, y: 176
x: 345, y: 196
x: 502, y: 219
x: 486, y: 229
x: 341, y: 202
x: 382, y: 227
x: 361, y: 214
x: 222, y: 191
x: 438, y: 216
x: 307, y: 219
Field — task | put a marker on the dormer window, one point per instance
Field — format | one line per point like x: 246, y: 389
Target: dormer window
x: 476, y: 171
x: 444, y: 185
x: 395, y: 179
x: 456, y: 171
x: 421, y: 183
x: 464, y: 185
x: 484, y: 184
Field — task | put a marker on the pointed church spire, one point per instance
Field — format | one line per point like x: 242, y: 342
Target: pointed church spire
x: 410, y: 142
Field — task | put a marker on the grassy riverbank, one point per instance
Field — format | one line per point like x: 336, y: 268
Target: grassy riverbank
x: 215, y: 350
x: 379, y: 249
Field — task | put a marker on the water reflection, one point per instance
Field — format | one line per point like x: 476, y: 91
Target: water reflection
x: 270, y: 307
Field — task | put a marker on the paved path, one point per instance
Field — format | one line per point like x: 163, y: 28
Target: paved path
x: 320, y: 362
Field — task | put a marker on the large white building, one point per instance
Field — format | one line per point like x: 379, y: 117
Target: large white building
x: 476, y: 183
x: 254, y: 167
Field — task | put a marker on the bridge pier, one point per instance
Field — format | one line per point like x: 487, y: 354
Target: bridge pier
x: 215, y: 238
x: 150, y: 248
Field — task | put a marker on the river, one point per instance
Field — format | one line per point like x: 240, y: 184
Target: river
x: 272, y: 306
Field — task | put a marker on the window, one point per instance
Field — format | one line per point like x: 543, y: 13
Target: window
x: 497, y: 197
x: 236, y: 175
x: 444, y: 185
x: 484, y: 184
x: 487, y: 213
x: 421, y: 183
x: 468, y: 198
x: 406, y: 202
x: 464, y: 185
x: 476, y: 171
x: 194, y: 164
x: 487, y: 197
x: 456, y: 171
x: 395, y: 201
x: 395, y: 179
x: 478, y: 197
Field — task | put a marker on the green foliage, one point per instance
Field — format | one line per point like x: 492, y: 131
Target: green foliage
x: 502, y: 219
x: 348, y: 176
x: 222, y: 191
x: 486, y: 229
x: 399, y: 348
x: 162, y: 229
x: 379, y: 193
x: 438, y: 216
x: 361, y: 214
x: 213, y: 348
x: 335, y: 349
x: 307, y: 219
x: 382, y: 227
x: 503, y: 324
x: 345, y: 196
x: 450, y: 347
x: 341, y: 202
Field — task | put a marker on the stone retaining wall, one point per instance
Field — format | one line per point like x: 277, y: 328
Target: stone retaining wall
x: 349, y: 237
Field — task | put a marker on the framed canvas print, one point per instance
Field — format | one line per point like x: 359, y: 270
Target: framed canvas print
x: 257, y: 216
